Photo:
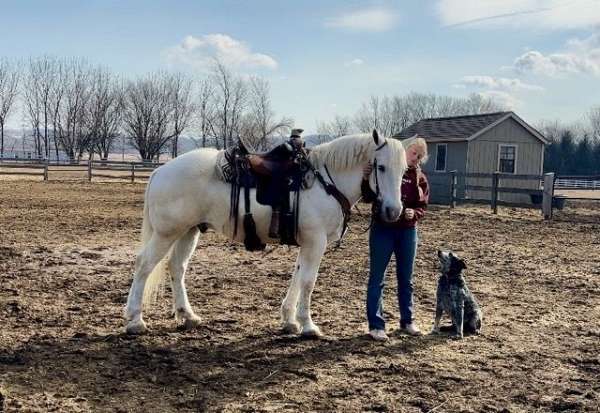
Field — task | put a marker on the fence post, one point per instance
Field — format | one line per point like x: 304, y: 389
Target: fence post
x: 90, y: 170
x: 494, y: 195
x: 453, y: 184
x: 132, y: 172
x: 548, y: 195
x: 46, y: 169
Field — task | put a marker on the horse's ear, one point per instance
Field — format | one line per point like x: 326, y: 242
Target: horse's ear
x: 376, y: 136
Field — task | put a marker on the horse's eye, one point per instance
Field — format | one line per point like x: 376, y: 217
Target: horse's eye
x: 381, y: 168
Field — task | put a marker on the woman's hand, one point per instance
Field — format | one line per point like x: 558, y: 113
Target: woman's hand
x: 409, y: 213
x: 367, y: 171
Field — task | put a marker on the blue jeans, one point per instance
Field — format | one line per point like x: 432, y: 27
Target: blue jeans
x: 383, y: 241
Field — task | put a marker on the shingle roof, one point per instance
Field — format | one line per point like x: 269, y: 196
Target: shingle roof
x: 452, y: 128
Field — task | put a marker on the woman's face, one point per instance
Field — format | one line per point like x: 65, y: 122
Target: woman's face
x: 414, y: 154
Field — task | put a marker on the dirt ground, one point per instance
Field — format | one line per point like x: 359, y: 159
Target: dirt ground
x: 66, y: 257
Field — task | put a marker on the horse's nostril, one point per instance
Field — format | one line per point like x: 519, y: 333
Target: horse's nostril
x: 391, y: 213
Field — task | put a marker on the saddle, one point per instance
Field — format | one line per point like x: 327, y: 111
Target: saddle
x: 275, y: 162
x: 277, y: 176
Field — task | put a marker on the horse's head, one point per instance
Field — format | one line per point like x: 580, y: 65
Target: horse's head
x: 389, y: 165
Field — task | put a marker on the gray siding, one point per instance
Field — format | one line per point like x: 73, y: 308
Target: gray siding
x: 483, y: 158
x: 456, y: 160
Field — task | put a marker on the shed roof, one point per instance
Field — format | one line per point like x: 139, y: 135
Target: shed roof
x: 462, y: 128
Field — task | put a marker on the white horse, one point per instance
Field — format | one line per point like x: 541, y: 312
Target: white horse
x: 189, y: 191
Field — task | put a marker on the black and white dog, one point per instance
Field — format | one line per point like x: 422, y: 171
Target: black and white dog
x: 454, y: 297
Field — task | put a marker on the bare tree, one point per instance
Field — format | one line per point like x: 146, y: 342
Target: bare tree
x: 56, y: 96
x: 339, y: 126
x: 103, y: 111
x: 391, y: 115
x: 375, y: 114
x: 477, y: 103
x: 205, y: 110
x: 72, y: 132
x: 230, y: 102
x: 149, y: 116
x: 9, y: 89
x: 183, y: 107
x: 259, y: 122
x: 32, y: 100
x: 46, y: 71
x: 593, y: 117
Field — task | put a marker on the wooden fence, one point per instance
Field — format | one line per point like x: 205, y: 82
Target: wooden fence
x: 579, y: 187
x: 22, y: 168
x: 127, y: 170
x: 541, y: 187
x: 90, y: 169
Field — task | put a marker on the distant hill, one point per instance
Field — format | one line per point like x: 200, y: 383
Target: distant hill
x: 18, y: 142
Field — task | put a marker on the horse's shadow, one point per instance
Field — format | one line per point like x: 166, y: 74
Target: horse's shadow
x: 189, y: 369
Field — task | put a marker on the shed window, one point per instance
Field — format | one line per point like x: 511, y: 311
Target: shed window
x: 440, y: 157
x: 507, y: 158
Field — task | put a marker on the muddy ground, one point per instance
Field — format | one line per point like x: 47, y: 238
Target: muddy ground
x: 66, y: 256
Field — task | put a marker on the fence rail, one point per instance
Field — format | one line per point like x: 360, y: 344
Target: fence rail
x: 120, y: 166
x: 577, y: 182
x: 495, y: 188
x: 36, y: 167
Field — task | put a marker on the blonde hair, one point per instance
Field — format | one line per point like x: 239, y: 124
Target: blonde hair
x: 417, y: 140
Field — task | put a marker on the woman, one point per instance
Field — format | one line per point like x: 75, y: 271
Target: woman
x: 400, y: 238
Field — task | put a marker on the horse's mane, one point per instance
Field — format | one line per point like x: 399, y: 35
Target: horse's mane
x: 348, y: 151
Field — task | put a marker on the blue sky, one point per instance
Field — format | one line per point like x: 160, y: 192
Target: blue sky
x: 540, y: 57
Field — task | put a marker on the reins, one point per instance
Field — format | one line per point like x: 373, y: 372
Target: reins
x: 332, y: 190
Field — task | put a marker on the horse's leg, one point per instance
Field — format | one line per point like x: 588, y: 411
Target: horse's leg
x: 148, y: 258
x: 288, y: 307
x: 180, y: 257
x: 309, y: 259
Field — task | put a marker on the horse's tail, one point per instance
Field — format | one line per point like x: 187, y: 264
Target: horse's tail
x: 156, y: 277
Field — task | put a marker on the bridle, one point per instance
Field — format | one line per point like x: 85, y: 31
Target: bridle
x: 375, y: 169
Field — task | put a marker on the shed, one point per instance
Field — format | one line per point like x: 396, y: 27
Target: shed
x: 482, y: 144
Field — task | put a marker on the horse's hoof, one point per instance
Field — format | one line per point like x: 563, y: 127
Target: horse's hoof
x: 313, y: 332
x: 192, y: 323
x: 291, y: 328
x: 136, y: 328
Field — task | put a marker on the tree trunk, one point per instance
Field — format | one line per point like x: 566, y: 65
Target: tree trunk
x: 175, y: 148
x: 1, y: 139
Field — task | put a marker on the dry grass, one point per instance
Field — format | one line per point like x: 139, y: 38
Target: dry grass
x: 66, y: 256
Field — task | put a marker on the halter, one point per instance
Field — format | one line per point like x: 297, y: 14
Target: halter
x: 375, y: 168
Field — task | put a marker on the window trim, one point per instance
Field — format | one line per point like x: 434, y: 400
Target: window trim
x: 508, y: 145
x: 435, y: 167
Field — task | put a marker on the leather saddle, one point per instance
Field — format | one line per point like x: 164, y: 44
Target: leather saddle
x: 276, y: 175
x: 280, y: 160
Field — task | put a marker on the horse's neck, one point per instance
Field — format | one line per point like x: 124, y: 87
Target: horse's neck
x: 347, y: 182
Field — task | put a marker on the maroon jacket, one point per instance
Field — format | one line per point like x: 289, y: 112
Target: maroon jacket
x: 414, y: 195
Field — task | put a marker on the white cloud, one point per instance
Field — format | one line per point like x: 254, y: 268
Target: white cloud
x: 200, y: 51
x: 354, y: 62
x: 533, y: 14
x: 370, y: 20
x: 498, y: 83
x: 580, y: 56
